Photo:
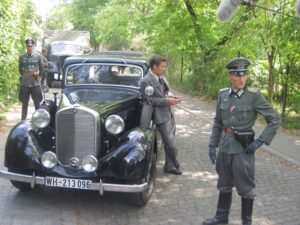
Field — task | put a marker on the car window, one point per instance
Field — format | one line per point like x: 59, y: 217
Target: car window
x: 129, y: 75
x: 59, y: 48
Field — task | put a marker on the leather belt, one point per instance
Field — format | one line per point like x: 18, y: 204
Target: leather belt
x: 229, y: 132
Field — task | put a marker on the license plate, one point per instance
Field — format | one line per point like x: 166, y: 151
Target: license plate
x: 68, y: 183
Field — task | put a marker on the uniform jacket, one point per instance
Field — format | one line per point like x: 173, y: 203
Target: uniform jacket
x: 31, y: 63
x: 238, y: 112
x: 162, y: 112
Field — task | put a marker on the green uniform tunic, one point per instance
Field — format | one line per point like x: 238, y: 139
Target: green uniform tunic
x: 238, y: 112
x: 31, y: 63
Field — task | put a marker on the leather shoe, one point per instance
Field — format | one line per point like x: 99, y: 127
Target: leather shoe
x: 175, y: 171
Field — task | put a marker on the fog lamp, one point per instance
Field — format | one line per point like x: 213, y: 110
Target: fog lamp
x: 48, y: 160
x: 89, y: 163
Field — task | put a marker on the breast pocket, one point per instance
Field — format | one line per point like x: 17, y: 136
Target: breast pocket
x: 225, y: 110
x: 25, y: 61
x: 244, y: 112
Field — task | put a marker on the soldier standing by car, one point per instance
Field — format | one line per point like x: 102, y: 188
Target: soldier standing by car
x: 31, y: 67
x: 232, y: 132
x: 160, y: 109
x: 46, y: 65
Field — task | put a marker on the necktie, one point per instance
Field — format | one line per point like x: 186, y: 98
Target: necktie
x: 165, y: 86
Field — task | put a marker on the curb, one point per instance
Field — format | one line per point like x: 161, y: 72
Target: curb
x: 279, y: 154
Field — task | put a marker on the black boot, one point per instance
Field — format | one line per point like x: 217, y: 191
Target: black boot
x: 223, y: 208
x: 247, y: 208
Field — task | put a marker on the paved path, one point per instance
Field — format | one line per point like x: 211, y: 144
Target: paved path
x: 178, y: 200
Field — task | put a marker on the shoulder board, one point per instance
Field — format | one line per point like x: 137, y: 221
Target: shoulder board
x: 224, y: 89
x: 37, y: 54
x: 252, y: 90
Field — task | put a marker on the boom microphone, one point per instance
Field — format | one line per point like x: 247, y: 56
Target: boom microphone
x: 227, y: 8
x: 298, y: 8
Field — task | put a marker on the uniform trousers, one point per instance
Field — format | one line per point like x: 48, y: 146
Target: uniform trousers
x: 236, y: 170
x: 167, y: 131
x: 24, y: 95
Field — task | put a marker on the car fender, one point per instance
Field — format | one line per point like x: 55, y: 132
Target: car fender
x: 132, y: 156
x: 22, y: 150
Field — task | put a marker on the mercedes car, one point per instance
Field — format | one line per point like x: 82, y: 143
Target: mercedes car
x: 88, y: 136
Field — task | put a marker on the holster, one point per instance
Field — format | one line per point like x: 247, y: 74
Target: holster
x: 35, y: 74
x: 245, y: 137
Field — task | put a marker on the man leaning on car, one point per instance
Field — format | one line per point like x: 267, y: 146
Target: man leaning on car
x: 161, y: 111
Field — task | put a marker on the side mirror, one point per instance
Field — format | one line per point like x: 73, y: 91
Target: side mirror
x: 149, y: 90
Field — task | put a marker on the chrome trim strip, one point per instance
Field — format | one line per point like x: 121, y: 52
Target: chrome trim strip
x: 101, y: 187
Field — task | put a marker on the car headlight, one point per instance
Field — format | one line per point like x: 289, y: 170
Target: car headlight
x: 89, y: 163
x: 48, y: 160
x: 114, y: 124
x: 40, y: 118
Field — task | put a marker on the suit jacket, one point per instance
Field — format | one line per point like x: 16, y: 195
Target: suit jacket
x: 160, y: 111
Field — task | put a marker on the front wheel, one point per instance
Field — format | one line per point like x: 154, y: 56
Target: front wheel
x: 142, y: 198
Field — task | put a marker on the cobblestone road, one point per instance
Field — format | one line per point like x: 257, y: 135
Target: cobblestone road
x: 180, y: 200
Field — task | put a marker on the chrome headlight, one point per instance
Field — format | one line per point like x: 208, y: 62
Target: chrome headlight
x: 89, y: 163
x: 49, y: 160
x: 114, y: 124
x: 40, y: 118
x: 149, y: 90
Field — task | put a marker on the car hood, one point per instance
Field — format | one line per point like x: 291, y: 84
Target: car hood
x: 102, y: 99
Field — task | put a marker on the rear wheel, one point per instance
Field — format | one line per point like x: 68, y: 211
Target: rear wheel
x: 22, y: 186
x: 140, y: 199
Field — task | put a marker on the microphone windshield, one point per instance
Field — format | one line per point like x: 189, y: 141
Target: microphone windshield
x: 227, y: 8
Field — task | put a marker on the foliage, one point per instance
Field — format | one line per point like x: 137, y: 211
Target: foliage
x: 196, y: 44
x: 16, y: 18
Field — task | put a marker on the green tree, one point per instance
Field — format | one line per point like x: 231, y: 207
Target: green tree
x: 16, y: 19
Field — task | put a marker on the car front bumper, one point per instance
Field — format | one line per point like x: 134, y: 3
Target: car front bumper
x: 101, y: 187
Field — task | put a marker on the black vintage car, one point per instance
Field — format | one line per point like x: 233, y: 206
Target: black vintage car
x: 91, y: 137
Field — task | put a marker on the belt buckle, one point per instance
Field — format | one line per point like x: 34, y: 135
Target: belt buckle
x: 229, y: 132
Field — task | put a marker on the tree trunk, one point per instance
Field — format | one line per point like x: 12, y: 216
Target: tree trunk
x: 271, y: 59
x: 285, y: 90
x: 194, y: 17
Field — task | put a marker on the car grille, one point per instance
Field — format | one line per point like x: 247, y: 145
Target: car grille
x: 77, y: 133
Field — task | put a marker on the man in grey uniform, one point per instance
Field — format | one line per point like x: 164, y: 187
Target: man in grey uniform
x: 232, y: 132
x: 158, y: 106
x: 46, y: 65
x: 31, y: 67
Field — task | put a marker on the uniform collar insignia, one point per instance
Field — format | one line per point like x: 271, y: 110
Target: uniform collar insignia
x: 238, y: 93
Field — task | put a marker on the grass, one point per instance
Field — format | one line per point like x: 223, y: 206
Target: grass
x: 291, y: 123
x: 5, y: 106
x: 2, y: 116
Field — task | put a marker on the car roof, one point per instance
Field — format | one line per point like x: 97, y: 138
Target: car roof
x: 135, y: 58
x: 65, y: 42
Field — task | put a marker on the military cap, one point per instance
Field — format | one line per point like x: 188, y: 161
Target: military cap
x: 238, y: 65
x: 29, y: 42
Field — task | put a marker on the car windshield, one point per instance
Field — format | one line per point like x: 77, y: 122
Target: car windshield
x: 59, y: 48
x: 79, y: 74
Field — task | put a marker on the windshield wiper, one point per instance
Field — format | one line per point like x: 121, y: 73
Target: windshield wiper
x: 78, y: 65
